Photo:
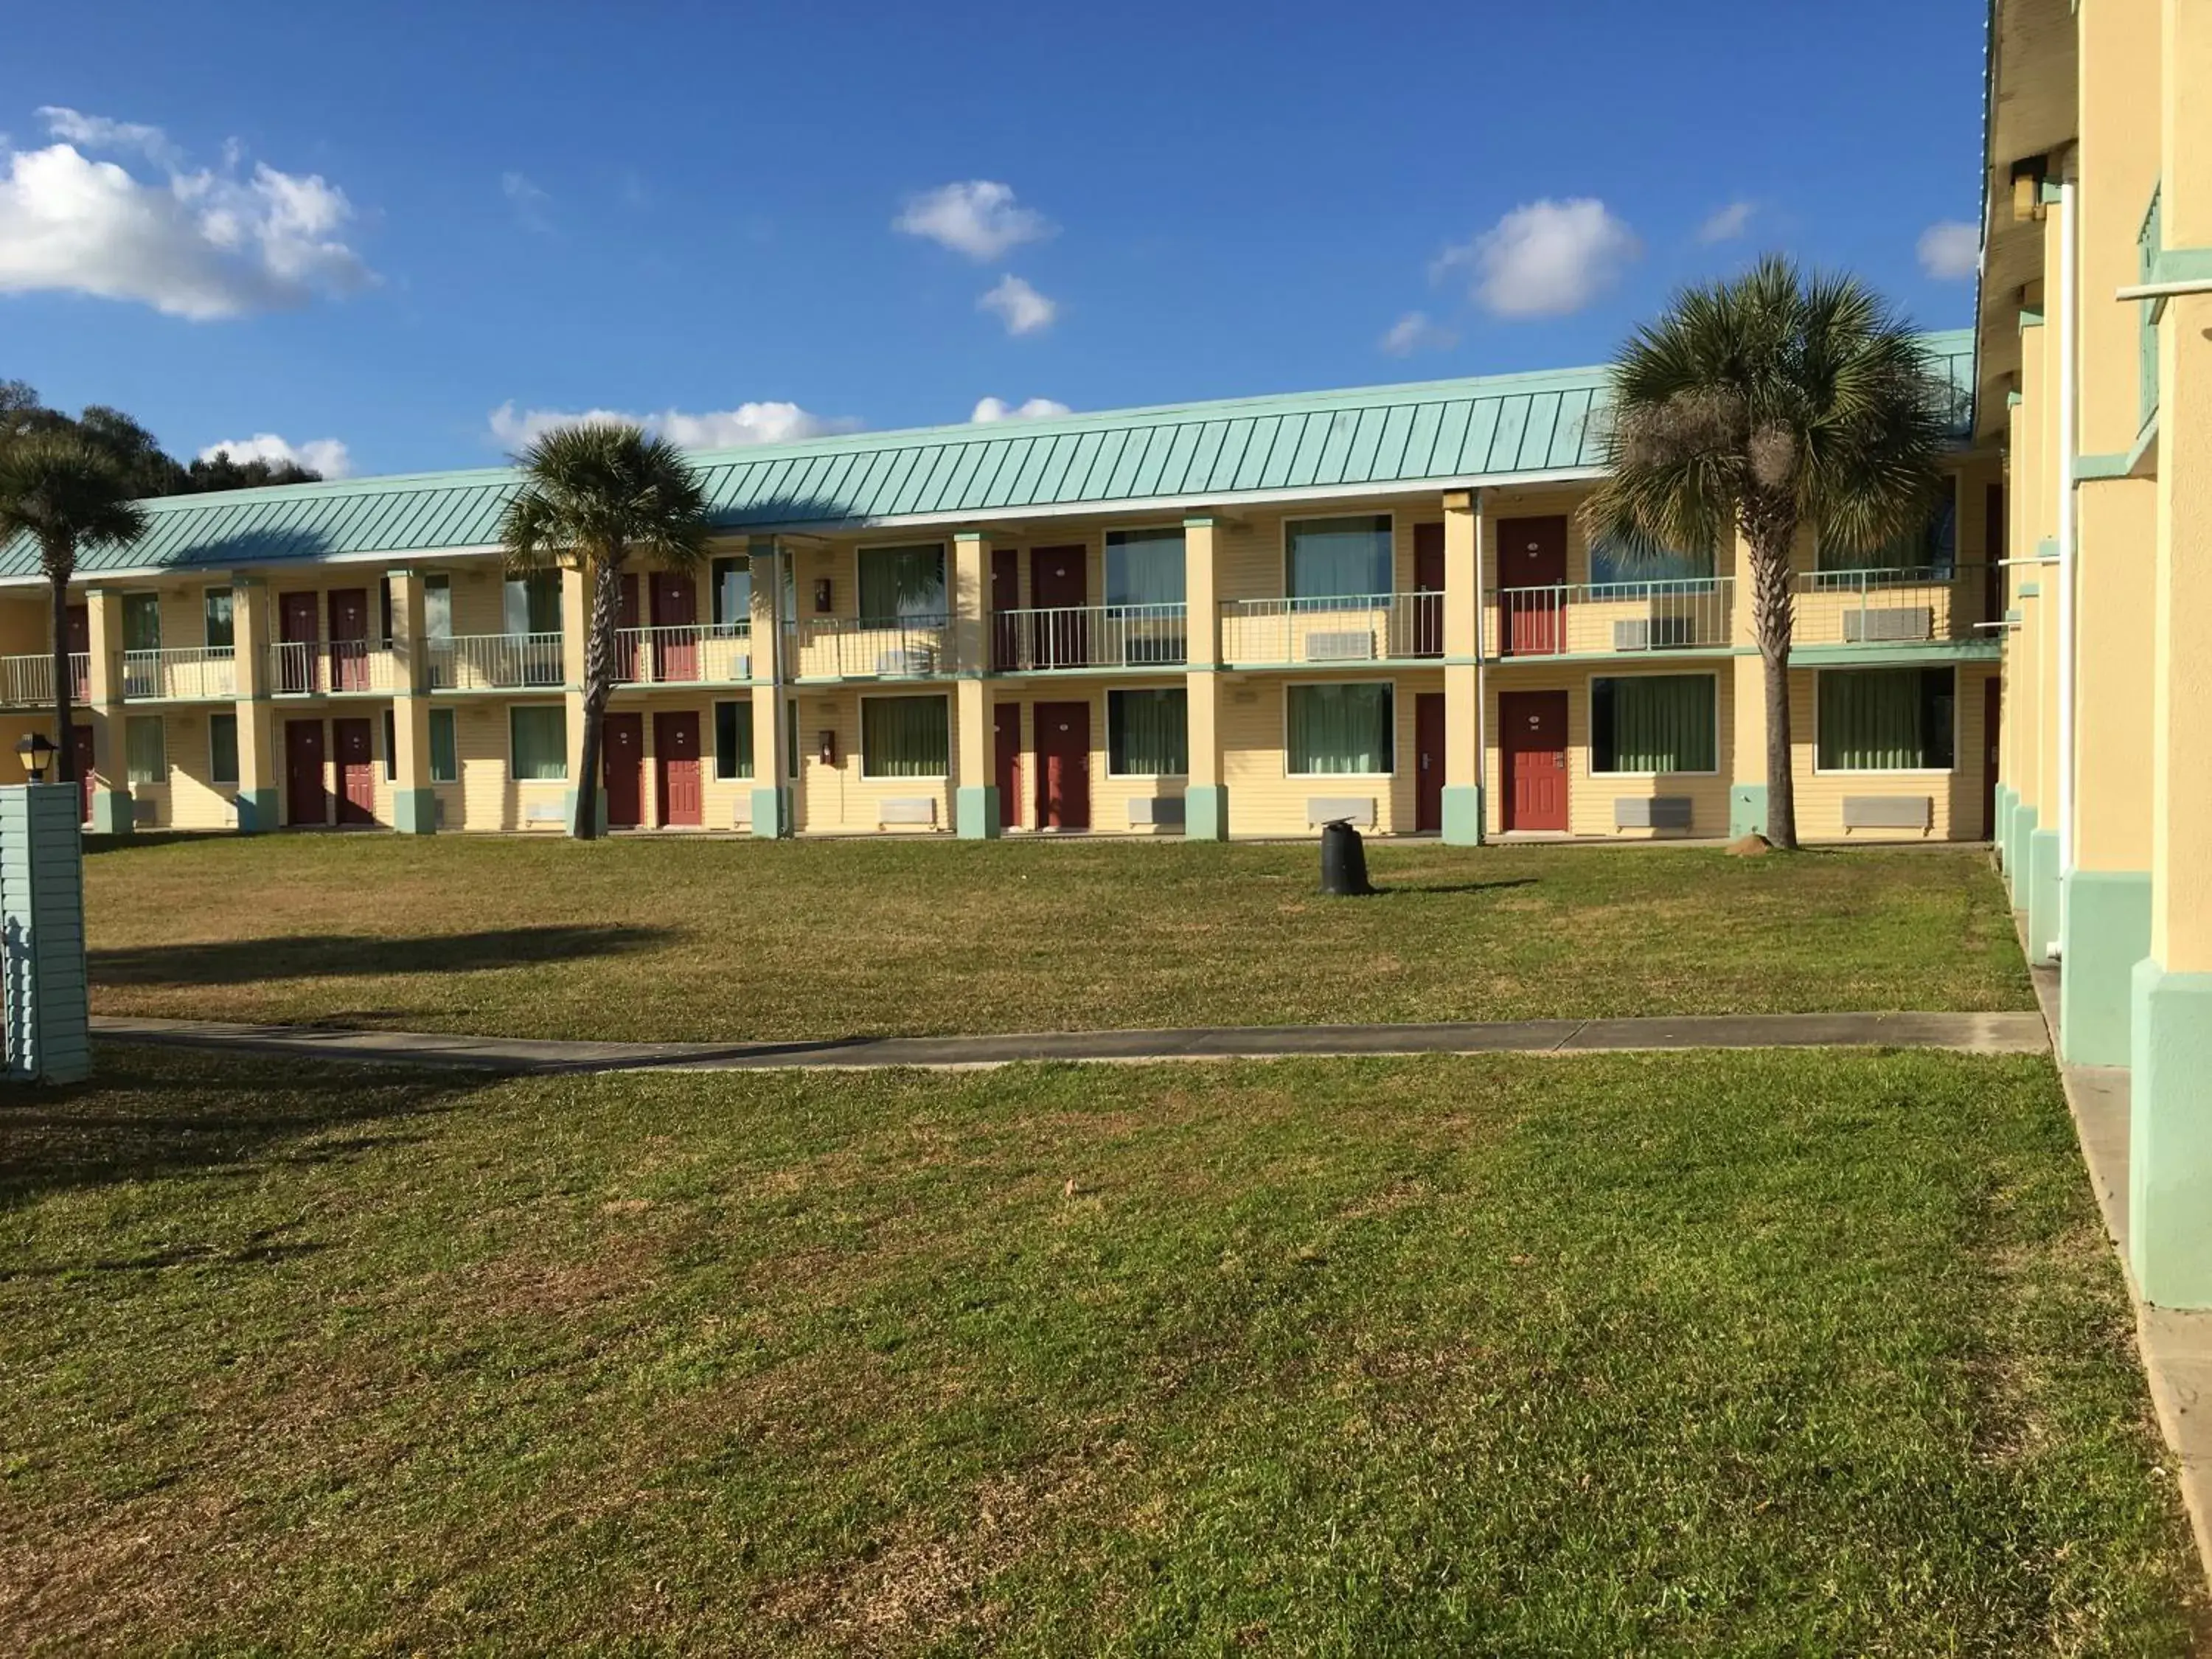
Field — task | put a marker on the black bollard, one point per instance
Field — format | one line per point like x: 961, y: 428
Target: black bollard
x: 1343, y: 860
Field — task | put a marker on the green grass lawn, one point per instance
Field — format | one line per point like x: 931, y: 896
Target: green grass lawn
x: 1754, y: 1353
x: 728, y: 939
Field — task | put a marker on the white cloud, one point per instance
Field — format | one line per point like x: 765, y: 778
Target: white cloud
x: 1417, y: 331
x: 1036, y: 409
x: 1950, y: 250
x: 723, y: 429
x: 1727, y: 224
x: 1545, y: 259
x: 529, y: 202
x: 1021, y: 307
x: 202, y: 244
x: 977, y: 217
x: 327, y: 456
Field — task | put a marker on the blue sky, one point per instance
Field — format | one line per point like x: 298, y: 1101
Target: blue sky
x: 419, y: 231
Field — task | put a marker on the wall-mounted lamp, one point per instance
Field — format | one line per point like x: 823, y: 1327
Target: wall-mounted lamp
x: 37, y: 751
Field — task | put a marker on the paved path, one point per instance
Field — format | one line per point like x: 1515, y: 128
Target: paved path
x: 1977, y: 1034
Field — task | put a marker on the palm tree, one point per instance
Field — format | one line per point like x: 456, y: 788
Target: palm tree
x: 590, y: 496
x: 67, y: 496
x: 1759, y: 404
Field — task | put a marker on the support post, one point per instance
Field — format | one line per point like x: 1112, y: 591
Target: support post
x: 1747, y: 699
x: 1464, y: 736
x: 1205, y: 797
x: 111, y: 788
x: 975, y: 790
x: 414, y: 802
x: 576, y: 635
x: 259, y: 808
x: 772, y: 798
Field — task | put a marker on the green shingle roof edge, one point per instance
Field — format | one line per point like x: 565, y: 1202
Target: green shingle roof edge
x: 1476, y: 430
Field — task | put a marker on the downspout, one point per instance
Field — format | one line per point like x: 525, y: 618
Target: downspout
x: 2069, y: 418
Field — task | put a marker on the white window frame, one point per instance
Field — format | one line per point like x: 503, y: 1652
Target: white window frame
x: 861, y: 739
x: 430, y: 760
x: 944, y: 563
x: 1396, y: 709
x: 1958, y: 722
x: 1589, y: 726
x: 160, y: 723
x: 1282, y: 563
x: 514, y: 778
x: 744, y: 706
x: 1106, y: 724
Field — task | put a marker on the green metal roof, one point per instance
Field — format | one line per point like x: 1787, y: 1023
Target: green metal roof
x: 1489, y: 429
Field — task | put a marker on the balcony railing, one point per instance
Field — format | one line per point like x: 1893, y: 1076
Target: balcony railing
x: 890, y: 648
x: 27, y: 682
x: 494, y: 662
x: 180, y: 673
x: 1090, y: 636
x: 311, y: 668
x: 1608, y: 618
x: 661, y: 656
x: 1341, y: 628
x: 1900, y: 606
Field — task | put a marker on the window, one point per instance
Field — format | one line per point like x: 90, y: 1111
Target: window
x: 1619, y: 564
x: 1341, y: 729
x: 902, y: 583
x: 1931, y: 552
x: 1886, y: 719
x: 733, y: 592
x: 733, y: 740
x: 145, y: 758
x: 221, y: 630
x: 222, y: 749
x: 1144, y: 567
x: 1147, y: 734
x: 540, y: 742
x: 438, y: 607
x: 1338, y: 558
x: 445, y: 747
x: 384, y: 610
x: 142, y: 621
x: 905, y: 738
x: 790, y: 740
x: 1652, y: 723
x: 390, y: 748
x: 534, y: 603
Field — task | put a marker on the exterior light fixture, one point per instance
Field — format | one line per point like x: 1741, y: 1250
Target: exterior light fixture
x: 37, y: 751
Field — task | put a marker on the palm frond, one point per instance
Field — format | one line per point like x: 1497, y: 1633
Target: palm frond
x: 66, y: 495
x: 593, y: 494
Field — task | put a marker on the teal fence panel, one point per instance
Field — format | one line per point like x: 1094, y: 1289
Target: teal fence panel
x: 47, y: 1002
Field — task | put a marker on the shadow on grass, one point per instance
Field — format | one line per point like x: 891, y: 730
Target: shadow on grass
x: 1441, y: 888
x: 308, y: 956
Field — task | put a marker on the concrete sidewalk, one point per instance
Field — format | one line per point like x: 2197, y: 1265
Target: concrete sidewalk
x: 1977, y: 1034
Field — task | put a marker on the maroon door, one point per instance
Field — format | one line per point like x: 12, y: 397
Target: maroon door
x: 307, y: 798
x: 1006, y: 761
x: 1532, y: 554
x: 1429, y: 590
x: 1992, y: 712
x: 1993, y: 556
x: 1429, y: 751
x: 82, y: 748
x: 1057, y: 586
x: 1005, y: 596
x: 676, y: 656
x: 622, y: 769
x: 356, y: 770
x: 297, y: 624
x: 80, y: 645
x: 350, y: 639
x: 627, y: 623
x: 1063, y: 765
x: 1532, y: 740
x: 676, y: 769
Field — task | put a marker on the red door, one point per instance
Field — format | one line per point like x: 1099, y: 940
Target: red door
x: 676, y: 769
x: 1532, y: 570
x: 1006, y: 761
x: 676, y: 656
x: 297, y: 625
x: 1063, y: 765
x: 622, y: 769
x: 628, y: 657
x: 356, y: 770
x: 1005, y: 596
x: 1992, y: 712
x: 1428, y: 588
x: 350, y: 639
x: 1429, y: 749
x: 307, y: 798
x: 1532, y: 738
x: 1057, y: 586
x: 80, y: 645
x: 82, y: 747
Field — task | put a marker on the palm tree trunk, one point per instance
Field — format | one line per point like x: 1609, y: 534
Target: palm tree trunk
x: 1772, y: 608
x: 64, y: 739
x: 599, y: 685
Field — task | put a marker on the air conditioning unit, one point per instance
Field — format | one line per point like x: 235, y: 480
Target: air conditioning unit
x: 1652, y: 633
x: 1914, y: 622
x: 912, y: 662
x: 1349, y: 646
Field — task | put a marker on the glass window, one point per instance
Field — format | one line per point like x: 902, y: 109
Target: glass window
x: 1144, y: 567
x: 142, y: 621
x: 222, y: 749
x: 790, y: 740
x: 438, y: 607
x: 733, y: 592
x: 1148, y: 733
x: 221, y: 629
x: 445, y: 747
x: 1886, y: 719
x: 1931, y: 552
x: 899, y: 583
x: 733, y: 740
x: 905, y: 737
x: 541, y: 742
x: 534, y: 603
x: 1617, y: 564
x: 1341, y: 729
x: 390, y: 748
x: 1652, y: 723
x: 146, y: 759
x: 1338, y: 558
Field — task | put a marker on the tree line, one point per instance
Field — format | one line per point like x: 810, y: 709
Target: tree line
x: 137, y: 455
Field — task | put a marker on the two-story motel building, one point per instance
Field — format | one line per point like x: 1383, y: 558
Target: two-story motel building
x: 1246, y: 616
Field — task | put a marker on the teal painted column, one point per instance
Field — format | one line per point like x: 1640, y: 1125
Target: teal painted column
x: 976, y: 811
x: 2103, y: 930
x: 1463, y: 816
x: 48, y: 1017
x: 1205, y: 812
x: 2023, y: 827
x: 1747, y: 811
x: 2001, y: 825
x: 771, y: 813
x: 111, y: 812
x: 2170, y: 1137
x: 413, y: 811
x: 257, y: 811
x: 2043, y: 894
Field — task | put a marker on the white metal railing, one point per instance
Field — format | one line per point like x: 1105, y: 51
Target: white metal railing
x: 888, y: 647
x: 306, y: 668
x: 693, y: 650
x: 27, y: 681
x: 1347, y: 628
x: 493, y: 662
x: 1090, y: 636
x: 180, y: 673
x: 1608, y: 618
x: 1894, y: 606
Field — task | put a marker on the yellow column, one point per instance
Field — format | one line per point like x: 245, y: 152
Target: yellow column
x: 976, y: 789
x: 1463, y: 812
x: 111, y: 790
x: 414, y: 802
x: 772, y: 784
x: 1206, y: 797
x: 575, y: 633
x: 1747, y: 740
x: 259, y: 796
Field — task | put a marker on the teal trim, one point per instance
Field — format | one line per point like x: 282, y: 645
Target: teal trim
x: 2016, y: 871
x: 976, y: 811
x: 569, y: 811
x: 2029, y: 590
x: 2146, y: 440
x: 48, y: 1019
x: 2049, y: 191
x: 2014, y: 614
x: 2044, y: 884
x: 2180, y: 264
x: 2030, y: 318
x: 771, y: 812
x: 1205, y: 812
x: 1747, y: 809
x: 2089, y: 469
x: 1672, y: 653
x: 413, y: 811
x: 1463, y: 814
x: 2014, y: 400
x: 111, y: 812
x: 1198, y: 522
x: 1837, y: 656
x: 2105, y: 930
x: 257, y: 811
x: 2170, y: 1137
x: 2005, y: 797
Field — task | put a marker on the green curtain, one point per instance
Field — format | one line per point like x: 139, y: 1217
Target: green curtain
x: 1336, y: 558
x: 222, y: 749
x: 534, y: 603
x: 901, y: 582
x: 905, y: 738
x: 438, y: 607
x: 1144, y: 567
x: 445, y: 747
x: 1653, y: 723
x: 216, y: 606
x: 541, y: 744
x: 1341, y: 729
x: 733, y: 740
x: 1148, y: 733
x: 734, y: 592
x: 142, y: 621
x: 144, y: 758
x: 1874, y: 719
